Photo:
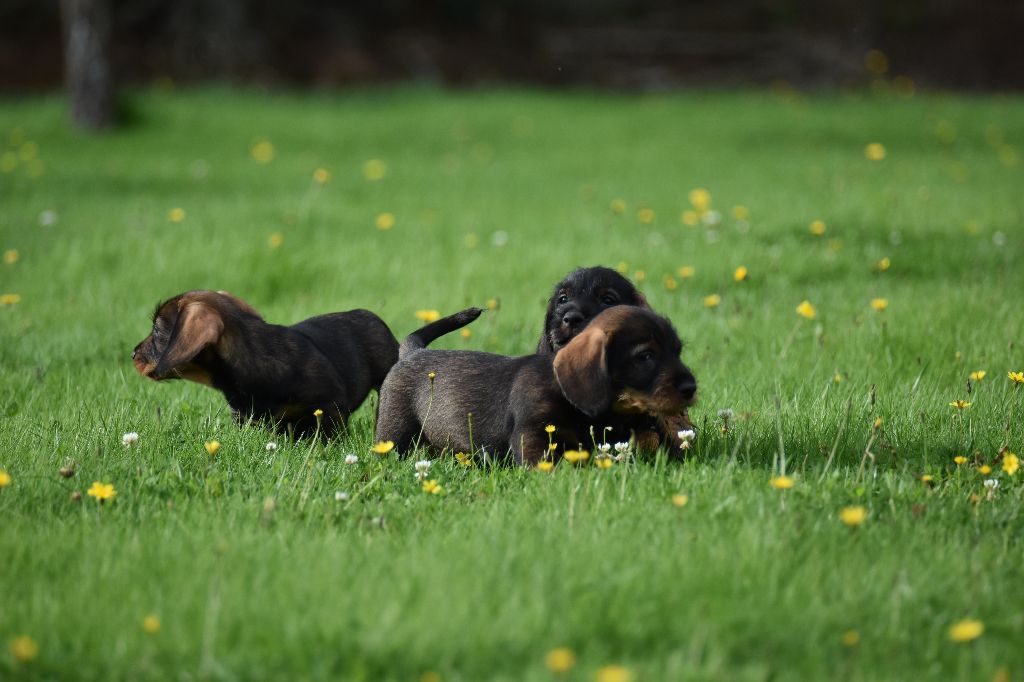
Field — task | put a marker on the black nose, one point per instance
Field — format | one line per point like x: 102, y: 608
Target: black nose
x: 687, y: 387
x: 134, y: 351
x: 572, y: 319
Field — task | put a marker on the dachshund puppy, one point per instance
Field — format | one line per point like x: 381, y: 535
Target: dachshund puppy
x: 621, y: 369
x: 584, y: 293
x: 578, y: 298
x: 268, y: 372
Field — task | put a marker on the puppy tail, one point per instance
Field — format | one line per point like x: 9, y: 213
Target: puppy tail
x: 424, y: 336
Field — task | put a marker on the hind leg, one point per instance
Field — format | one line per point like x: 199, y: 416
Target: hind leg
x: 396, y: 421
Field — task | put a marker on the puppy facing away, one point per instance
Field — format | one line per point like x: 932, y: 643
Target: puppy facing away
x: 622, y: 369
x: 579, y: 297
x: 576, y: 300
x: 268, y: 372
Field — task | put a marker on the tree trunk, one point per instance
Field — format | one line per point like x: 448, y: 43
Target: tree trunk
x: 88, y: 77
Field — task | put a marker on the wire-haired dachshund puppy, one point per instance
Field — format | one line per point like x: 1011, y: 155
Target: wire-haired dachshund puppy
x: 576, y: 300
x: 579, y: 297
x: 268, y: 372
x: 621, y: 368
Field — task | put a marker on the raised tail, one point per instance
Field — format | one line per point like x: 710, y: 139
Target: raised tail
x: 424, y: 336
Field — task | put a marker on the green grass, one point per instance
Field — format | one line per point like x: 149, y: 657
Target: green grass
x: 743, y: 583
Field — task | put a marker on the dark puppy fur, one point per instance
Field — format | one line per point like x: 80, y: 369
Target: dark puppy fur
x: 621, y: 369
x: 268, y: 372
x: 578, y: 298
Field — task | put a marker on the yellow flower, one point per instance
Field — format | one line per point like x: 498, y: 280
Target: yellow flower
x: 560, y: 660
x: 427, y: 316
x: 262, y: 151
x: 966, y: 630
x: 959, y: 460
x: 960, y: 404
x: 701, y: 199
x: 24, y: 648
x: 712, y: 301
x: 618, y: 206
x: 686, y: 272
x: 877, y: 424
x: 875, y: 151
x: 465, y: 333
x: 321, y: 176
x: 984, y: 470
x: 5, y: 479
x: 927, y: 479
x: 740, y: 212
x: 978, y: 375
x: 680, y: 500
x: 690, y: 218
x: 622, y: 267
x: 1011, y: 463
x: 432, y: 487
x: 670, y: 282
x: 1016, y: 377
x: 782, y: 482
x: 574, y: 456
x: 151, y: 624
x: 613, y: 673
x: 375, y: 169
x: 805, y: 309
x: 176, y: 215
x: 604, y: 462
x: 11, y: 256
x: 879, y: 304
x: 817, y: 227
x: 383, y: 447
x: 212, y: 447
x: 431, y: 375
x: 493, y: 304
x: 838, y: 378
x: 385, y: 221
x: 640, y: 275
x: 318, y: 413
x: 853, y: 516
x: 10, y: 299
x: 851, y: 638
x: 740, y: 274
x: 464, y: 459
x: 102, y: 491
x: 545, y: 465
x: 275, y: 240
x: 646, y: 215
x: 884, y: 264
x: 550, y: 428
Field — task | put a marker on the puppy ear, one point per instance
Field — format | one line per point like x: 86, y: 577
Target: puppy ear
x: 240, y: 304
x: 641, y: 300
x: 581, y: 369
x: 544, y: 345
x: 198, y: 327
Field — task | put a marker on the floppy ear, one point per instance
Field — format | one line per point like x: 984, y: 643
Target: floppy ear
x: 240, y: 304
x: 198, y: 326
x: 641, y: 300
x: 581, y: 369
x: 544, y: 345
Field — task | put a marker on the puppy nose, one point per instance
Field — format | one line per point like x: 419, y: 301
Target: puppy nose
x: 134, y: 351
x: 572, y: 319
x: 687, y: 387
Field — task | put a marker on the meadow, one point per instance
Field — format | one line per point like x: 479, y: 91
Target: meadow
x: 843, y: 268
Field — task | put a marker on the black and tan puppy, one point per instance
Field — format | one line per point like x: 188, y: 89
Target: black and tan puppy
x: 578, y: 298
x: 268, y: 372
x: 621, y: 369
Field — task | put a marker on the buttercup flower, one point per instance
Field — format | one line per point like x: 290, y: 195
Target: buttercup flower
x: 212, y: 447
x: 740, y: 274
x: 102, y: 491
x: 604, y: 462
x: 879, y: 304
x: 740, y: 212
x: 428, y: 316
x: 151, y: 624
x: 1016, y: 377
x: 805, y: 309
x: 318, y: 413
x: 1011, y: 463
x: 321, y: 176
x: 129, y: 439
x: 817, y: 227
x: 432, y: 487
x: 984, y: 470
x: 574, y: 456
x: 550, y: 428
x: 700, y: 198
x: 464, y: 459
x: 10, y: 299
x: 960, y: 404
x: 959, y: 460
x: 351, y: 459
x: 545, y: 465
x: 618, y: 206
x: 375, y: 169
x: 385, y: 221
x: 978, y: 375
x: 884, y: 264
x: 689, y: 218
x: 851, y: 638
x: 646, y: 215
x: 712, y: 301
x: 383, y: 447
x: 24, y: 648
x: 5, y: 479
x: 686, y: 271
x: 613, y: 673
x: 11, y: 256
x: 966, y: 630
x: 875, y: 151
x: 680, y: 500
x: 176, y: 215
x: 560, y: 660
x: 782, y: 482
x: 853, y: 516
x: 262, y: 151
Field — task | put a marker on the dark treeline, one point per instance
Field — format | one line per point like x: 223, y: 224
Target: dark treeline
x: 974, y: 44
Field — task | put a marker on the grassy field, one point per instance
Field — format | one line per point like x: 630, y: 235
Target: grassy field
x: 246, y: 564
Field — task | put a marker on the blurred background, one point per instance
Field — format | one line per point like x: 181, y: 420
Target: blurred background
x: 621, y: 44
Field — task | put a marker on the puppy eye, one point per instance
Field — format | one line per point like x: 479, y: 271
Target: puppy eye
x: 643, y: 357
x: 609, y: 299
x: 562, y: 298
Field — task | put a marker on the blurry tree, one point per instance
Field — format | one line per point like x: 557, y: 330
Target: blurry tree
x: 88, y: 76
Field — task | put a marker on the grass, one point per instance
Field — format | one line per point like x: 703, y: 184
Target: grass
x: 253, y: 568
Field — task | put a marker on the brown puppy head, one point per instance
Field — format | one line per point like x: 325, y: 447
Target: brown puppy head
x: 626, y: 360
x: 185, y: 328
x: 577, y: 299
